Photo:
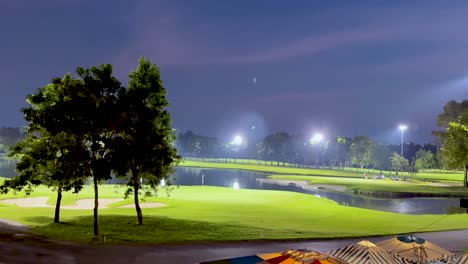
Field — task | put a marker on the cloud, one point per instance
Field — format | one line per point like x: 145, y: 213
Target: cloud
x: 166, y: 33
x: 296, y: 97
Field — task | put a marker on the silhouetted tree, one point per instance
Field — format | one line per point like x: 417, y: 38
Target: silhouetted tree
x: 377, y: 156
x: 424, y: 160
x: 398, y: 162
x: 275, y: 147
x: 144, y: 146
x: 454, y: 136
x: 358, y: 150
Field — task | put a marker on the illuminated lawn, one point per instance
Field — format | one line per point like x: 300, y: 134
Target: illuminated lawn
x: 454, y: 176
x: 268, y: 168
x: 202, y: 213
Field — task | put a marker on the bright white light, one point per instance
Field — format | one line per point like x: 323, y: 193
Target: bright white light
x: 317, y: 195
x: 402, y: 127
x: 235, y: 186
x: 163, y: 183
x: 316, y: 139
x: 237, y: 140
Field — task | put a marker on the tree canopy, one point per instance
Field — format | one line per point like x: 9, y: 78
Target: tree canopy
x: 454, y: 136
x: 145, y: 145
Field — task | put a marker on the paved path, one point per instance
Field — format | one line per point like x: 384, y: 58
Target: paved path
x: 18, y: 246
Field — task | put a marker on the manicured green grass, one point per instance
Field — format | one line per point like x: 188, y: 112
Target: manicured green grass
x: 202, y: 213
x: 454, y: 176
x: 69, y: 198
x: 268, y: 168
x: 387, y: 185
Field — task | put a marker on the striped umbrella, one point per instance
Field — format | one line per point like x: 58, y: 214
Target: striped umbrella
x: 414, y: 249
x: 286, y: 257
x: 461, y: 260
x: 365, y: 252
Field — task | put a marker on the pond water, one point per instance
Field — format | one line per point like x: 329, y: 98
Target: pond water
x: 7, y: 167
x: 253, y: 180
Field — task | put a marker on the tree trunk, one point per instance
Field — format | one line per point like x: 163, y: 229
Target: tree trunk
x: 465, y: 178
x: 57, y: 205
x: 96, y: 206
x: 135, y: 192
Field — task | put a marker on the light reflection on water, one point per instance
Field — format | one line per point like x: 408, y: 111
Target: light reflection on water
x: 253, y: 180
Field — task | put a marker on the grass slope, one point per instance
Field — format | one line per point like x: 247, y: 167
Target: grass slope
x: 387, y: 185
x: 202, y: 213
x: 268, y: 169
x: 454, y: 176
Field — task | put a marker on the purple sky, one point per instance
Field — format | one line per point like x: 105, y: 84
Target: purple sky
x: 341, y: 68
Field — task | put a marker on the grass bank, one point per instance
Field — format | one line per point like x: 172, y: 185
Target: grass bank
x: 370, y: 186
x: 202, y: 213
x: 451, y: 176
x: 268, y: 168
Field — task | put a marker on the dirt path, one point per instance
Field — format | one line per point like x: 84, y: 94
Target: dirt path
x: 17, y: 245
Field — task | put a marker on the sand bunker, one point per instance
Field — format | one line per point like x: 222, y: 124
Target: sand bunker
x: 144, y: 205
x: 89, y: 203
x: 28, y: 202
x: 42, y: 202
x: 82, y: 204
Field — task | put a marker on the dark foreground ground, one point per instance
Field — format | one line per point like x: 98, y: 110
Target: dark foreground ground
x: 17, y: 245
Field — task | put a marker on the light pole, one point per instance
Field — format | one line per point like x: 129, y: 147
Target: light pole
x: 402, y: 129
x: 317, y: 140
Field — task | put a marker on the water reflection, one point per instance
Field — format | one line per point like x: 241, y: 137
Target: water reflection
x: 255, y: 180
x: 7, y: 167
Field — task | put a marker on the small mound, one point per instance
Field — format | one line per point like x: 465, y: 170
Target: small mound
x: 89, y: 203
x: 144, y: 205
x: 82, y: 204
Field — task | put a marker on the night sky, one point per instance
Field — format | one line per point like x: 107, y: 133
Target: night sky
x: 341, y: 68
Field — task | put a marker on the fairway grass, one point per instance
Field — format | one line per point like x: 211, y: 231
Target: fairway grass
x: 451, y: 176
x: 203, y: 213
x: 359, y: 185
x: 268, y: 169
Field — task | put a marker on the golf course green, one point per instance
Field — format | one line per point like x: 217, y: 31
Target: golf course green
x: 203, y: 213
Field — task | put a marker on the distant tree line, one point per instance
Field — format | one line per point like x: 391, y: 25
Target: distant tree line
x: 449, y: 152
x: 358, y: 152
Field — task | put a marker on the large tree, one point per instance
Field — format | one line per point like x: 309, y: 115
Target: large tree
x: 377, y: 156
x: 99, y: 119
x: 398, y: 162
x: 84, y: 107
x: 275, y: 147
x: 454, y: 148
x: 144, y: 148
x: 454, y: 136
x: 424, y: 159
x: 358, y: 150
